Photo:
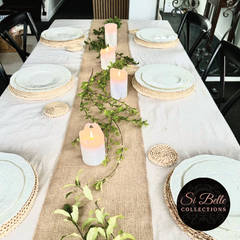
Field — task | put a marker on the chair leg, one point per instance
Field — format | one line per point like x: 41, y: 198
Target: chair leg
x: 208, y: 67
x: 25, y: 37
x: 188, y: 37
x: 222, y: 77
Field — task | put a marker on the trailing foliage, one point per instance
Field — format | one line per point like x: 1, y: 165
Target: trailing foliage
x: 99, y: 223
x: 94, y: 95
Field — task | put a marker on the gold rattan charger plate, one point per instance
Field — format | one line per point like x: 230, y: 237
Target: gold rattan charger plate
x: 11, y: 224
x: 194, y: 234
x: 131, y: 69
x: 156, y: 45
x: 56, y: 109
x: 163, y: 155
x: 133, y: 31
x: 41, y: 96
x: 162, y: 95
x: 62, y: 44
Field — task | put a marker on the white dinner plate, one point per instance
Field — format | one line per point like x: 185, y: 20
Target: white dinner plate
x: 224, y: 231
x: 227, y: 173
x: 11, y: 184
x: 17, y: 180
x: 173, y: 71
x: 157, y: 35
x: 166, y: 78
x: 39, y: 78
x: 62, y: 34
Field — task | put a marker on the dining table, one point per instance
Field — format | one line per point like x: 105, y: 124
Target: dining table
x: 192, y: 126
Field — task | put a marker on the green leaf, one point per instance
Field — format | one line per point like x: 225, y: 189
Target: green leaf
x: 78, y: 204
x: 74, y: 213
x: 92, y: 234
x: 87, y: 193
x: 67, y: 208
x: 88, y: 222
x: 69, y: 185
x: 124, y: 236
x: 77, y: 182
x: 68, y: 194
x: 101, y: 231
x: 99, y: 216
x: 62, y: 212
x: 91, y: 212
x: 120, y: 232
x: 111, y: 224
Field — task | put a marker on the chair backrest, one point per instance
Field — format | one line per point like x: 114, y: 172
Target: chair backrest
x: 11, y: 21
x: 201, y: 22
x: 224, y: 50
x: 4, y: 80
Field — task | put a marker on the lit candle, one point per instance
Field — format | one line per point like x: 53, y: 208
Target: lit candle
x: 92, y: 144
x: 107, y: 56
x: 118, y: 83
x: 111, y: 34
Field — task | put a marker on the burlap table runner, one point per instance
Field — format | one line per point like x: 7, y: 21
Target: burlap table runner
x: 126, y: 193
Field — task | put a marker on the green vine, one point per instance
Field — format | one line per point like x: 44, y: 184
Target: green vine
x: 95, y: 226
x: 94, y: 95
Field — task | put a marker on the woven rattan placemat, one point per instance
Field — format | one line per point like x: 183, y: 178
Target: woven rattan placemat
x: 163, y: 155
x: 156, y: 45
x: 162, y: 95
x: 11, y: 224
x: 63, y: 44
x: 41, y: 96
x: 133, y: 31
x: 56, y: 109
x: 194, y: 234
x: 131, y: 69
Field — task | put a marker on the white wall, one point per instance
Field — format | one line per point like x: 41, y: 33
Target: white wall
x: 142, y: 9
x: 51, y: 6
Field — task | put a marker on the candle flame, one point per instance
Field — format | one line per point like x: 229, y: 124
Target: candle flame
x: 118, y: 73
x: 91, y: 136
x: 107, y: 49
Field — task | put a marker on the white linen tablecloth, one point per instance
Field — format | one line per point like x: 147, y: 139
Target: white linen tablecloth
x: 192, y: 126
x: 28, y: 132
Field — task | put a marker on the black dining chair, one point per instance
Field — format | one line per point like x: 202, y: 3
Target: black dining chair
x: 224, y: 50
x: 230, y: 103
x: 4, y: 79
x: 193, y: 18
x: 11, y: 21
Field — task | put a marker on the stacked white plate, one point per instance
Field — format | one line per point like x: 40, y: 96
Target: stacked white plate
x: 62, y: 34
x: 222, y: 169
x: 40, y: 78
x: 17, y: 181
x: 164, y: 77
x: 157, y: 35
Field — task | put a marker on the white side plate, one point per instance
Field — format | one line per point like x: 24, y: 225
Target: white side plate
x: 39, y: 78
x: 62, y: 34
x: 157, y: 35
x: 173, y: 71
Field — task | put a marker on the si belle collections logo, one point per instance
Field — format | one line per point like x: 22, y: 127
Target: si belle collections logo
x: 203, y: 204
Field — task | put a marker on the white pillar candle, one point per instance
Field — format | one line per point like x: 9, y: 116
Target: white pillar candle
x: 107, y: 56
x: 111, y: 34
x: 92, y: 144
x: 118, y: 83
